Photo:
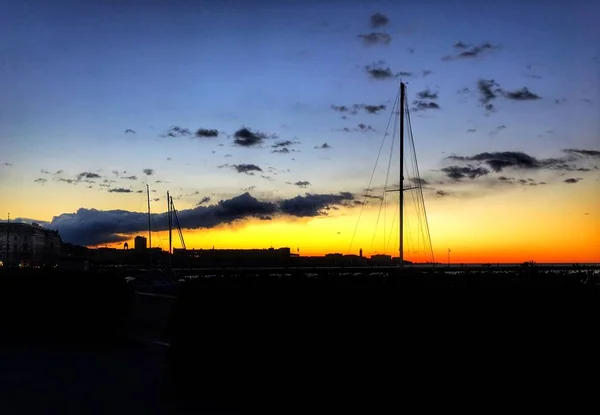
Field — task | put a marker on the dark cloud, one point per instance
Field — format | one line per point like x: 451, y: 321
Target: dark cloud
x: 285, y: 143
x: 410, y: 50
x: 129, y: 131
x: 40, y: 180
x: 343, y: 108
x: 129, y: 178
x: 206, y: 133
x: 44, y: 171
x: 148, y: 172
x: 426, y: 72
x: 378, y: 20
x: 376, y: 38
x: 323, y: 146
x: 115, y: 172
x: 6, y: 164
x: 88, y: 175
x: 441, y: 193
x: 361, y: 128
x: 419, y: 105
x: 169, y: 159
x: 370, y: 109
x: 427, y: 94
x: 176, y: 131
x: 374, y: 109
x: 471, y: 130
x: 522, y: 94
x: 560, y: 101
x: 419, y: 181
x: 458, y: 172
x: 283, y: 150
x: 122, y: 190
x: 302, y: 184
x: 469, y: 51
x: 70, y: 181
x: 365, y: 128
x: 91, y: 226
x: 247, y: 138
x: 371, y: 196
x: 489, y: 90
x: 379, y: 72
x: 203, y: 201
x: 246, y: 168
x: 573, y: 180
x: 313, y: 204
x: 498, y: 161
x: 580, y: 152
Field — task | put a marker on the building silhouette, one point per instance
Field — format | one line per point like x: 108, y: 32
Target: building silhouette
x: 28, y: 244
x: 140, y: 243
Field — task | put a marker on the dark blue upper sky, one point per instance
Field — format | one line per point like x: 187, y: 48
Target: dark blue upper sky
x: 75, y: 76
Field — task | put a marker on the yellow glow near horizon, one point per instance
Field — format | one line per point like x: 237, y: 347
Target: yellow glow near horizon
x: 538, y: 223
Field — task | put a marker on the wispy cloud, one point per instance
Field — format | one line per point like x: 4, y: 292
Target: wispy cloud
x: 427, y: 94
x: 88, y: 175
x: 203, y: 201
x: 419, y: 105
x: 323, y: 146
x: 466, y: 51
x: 355, y: 108
x: 120, y: 190
x: 523, y: 94
x: 176, y: 131
x: 376, y: 38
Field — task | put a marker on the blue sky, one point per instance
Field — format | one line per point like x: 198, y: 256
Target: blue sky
x: 75, y: 76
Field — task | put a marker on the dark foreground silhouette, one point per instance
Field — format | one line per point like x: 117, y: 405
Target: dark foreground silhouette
x: 332, y: 344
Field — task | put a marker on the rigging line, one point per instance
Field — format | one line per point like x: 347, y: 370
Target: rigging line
x: 423, y: 200
x: 373, y: 173
x: 387, y: 176
x: 385, y: 186
x: 415, y: 196
x: 392, y: 228
x: 425, y: 229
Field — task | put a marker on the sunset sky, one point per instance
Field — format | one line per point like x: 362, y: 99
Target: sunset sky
x: 264, y: 119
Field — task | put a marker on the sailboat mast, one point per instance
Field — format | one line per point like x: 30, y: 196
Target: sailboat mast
x: 170, y: 221
x: 149, y: 226
x: 401, y: 240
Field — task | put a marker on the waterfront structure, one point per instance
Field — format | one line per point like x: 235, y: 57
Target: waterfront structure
x: 28, y: 244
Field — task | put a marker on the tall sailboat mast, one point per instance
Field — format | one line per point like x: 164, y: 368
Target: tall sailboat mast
x: 401, y: 240
x: 149, y: 227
